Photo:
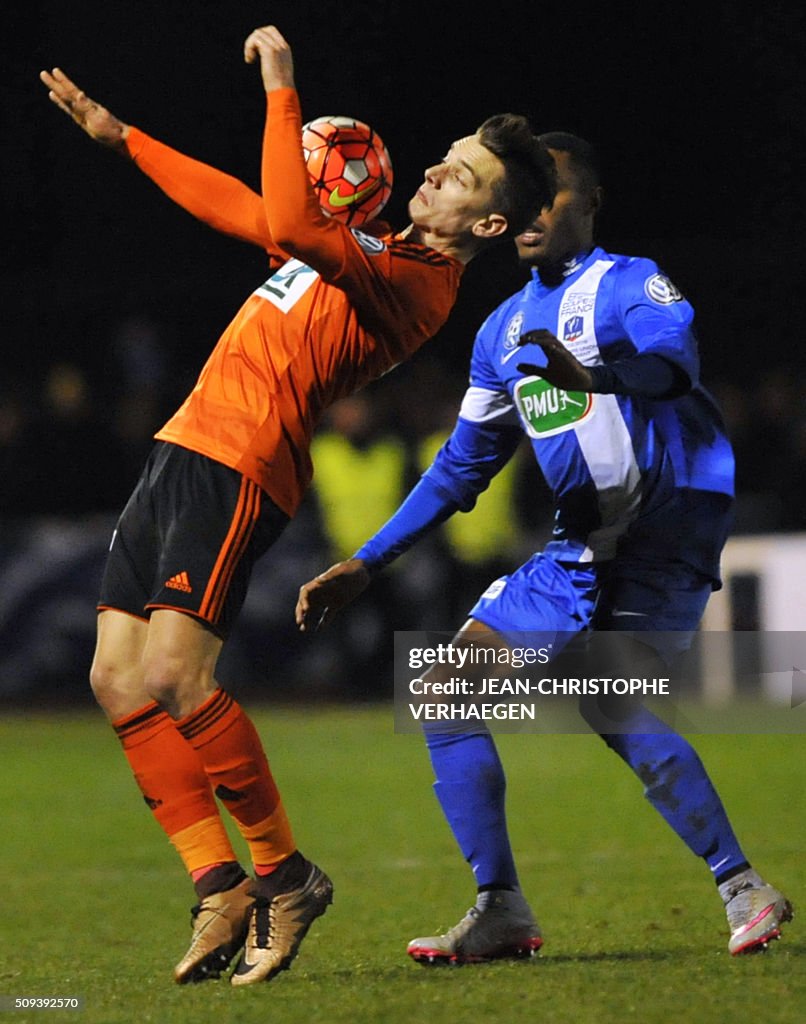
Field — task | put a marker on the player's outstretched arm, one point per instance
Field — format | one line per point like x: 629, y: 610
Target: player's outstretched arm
x: 218, y: 199
x: 321, y: 598
x: 646, y: 374
x: 269, y: 47
x: 298, y: 225
x: 100, y: 124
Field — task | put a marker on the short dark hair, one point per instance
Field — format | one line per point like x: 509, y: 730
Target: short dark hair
x: 583, y: 156
x: 530, y: 181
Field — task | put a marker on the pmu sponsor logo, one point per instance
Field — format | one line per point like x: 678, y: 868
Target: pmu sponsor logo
x: 547, y: 410
x: 573, y: 328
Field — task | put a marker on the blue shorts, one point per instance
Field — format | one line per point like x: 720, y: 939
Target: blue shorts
x: 662, y: 601
x: 543, y: 602
x: 553, y: 601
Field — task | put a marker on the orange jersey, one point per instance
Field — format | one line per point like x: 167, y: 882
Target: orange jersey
x: 339, y: 308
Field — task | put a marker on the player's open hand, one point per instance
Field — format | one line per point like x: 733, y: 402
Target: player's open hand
x: 97, y: 121
x: 321, y: 598
x: 563, y: 370
x: 276, y: 63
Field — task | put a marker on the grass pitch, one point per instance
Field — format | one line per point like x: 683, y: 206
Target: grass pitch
x: 95, y: 903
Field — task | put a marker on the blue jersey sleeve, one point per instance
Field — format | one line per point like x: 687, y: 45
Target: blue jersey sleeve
x: 658, y: 320
x: 646, y: 375
x: 470, y: 458
x: 482, y: 368
x: 462, y: 469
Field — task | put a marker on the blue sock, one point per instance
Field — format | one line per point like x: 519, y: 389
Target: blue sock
x: 677, y: 785
x: 470, y: 786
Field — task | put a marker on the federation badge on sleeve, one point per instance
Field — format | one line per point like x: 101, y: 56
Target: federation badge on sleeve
x: 660, y: 289
x: 369, y: 243
x: 514, y: 331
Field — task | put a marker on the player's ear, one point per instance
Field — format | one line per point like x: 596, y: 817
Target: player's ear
x: 596, y: 200
x: 494, y: 225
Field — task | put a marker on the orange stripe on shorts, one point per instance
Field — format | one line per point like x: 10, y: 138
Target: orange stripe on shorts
x: 243, y: 523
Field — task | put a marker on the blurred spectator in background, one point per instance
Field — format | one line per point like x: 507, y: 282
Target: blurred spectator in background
x: 360, y: 474
x: 482, y: 544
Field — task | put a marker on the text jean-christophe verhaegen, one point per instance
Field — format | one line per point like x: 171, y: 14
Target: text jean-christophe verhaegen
x: 506, y: 686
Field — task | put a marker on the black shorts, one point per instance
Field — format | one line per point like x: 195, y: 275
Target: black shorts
x: 188, y: 539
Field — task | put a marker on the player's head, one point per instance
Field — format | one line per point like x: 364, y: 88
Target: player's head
x: 529, y: 181
x: 566, y: 228
x: 487, y: 188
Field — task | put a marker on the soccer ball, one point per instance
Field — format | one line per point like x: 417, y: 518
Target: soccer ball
x: 349, y: 167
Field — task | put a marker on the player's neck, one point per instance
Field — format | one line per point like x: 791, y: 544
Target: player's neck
x: 448, y: 247
x: 557, y: 270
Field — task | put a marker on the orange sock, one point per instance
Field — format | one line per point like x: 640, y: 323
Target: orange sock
x: 233, y: 757
x: 175, y: 786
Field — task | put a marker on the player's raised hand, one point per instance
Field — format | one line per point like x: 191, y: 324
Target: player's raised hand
x: 321, y: 598
x: 97, y: 121
x: 563, y: 369
x: 276, y: 63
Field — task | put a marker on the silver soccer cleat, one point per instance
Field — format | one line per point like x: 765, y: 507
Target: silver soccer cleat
x: 755, y: 915
x: 500, y: 926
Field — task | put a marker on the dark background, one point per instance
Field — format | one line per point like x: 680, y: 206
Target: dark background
x: 698, y: 109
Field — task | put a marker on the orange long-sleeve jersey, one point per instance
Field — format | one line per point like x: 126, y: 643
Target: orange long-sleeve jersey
x: 339, y: 308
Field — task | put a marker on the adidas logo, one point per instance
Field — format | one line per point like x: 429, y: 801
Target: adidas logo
x: 179, y: 582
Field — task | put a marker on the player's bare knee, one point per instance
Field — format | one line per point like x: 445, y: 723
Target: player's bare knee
x: 174, y: 683
x: 112, y: 686
x: 163, y: 680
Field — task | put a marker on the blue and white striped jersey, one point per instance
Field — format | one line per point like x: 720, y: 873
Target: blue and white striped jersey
x: 630, y: 475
